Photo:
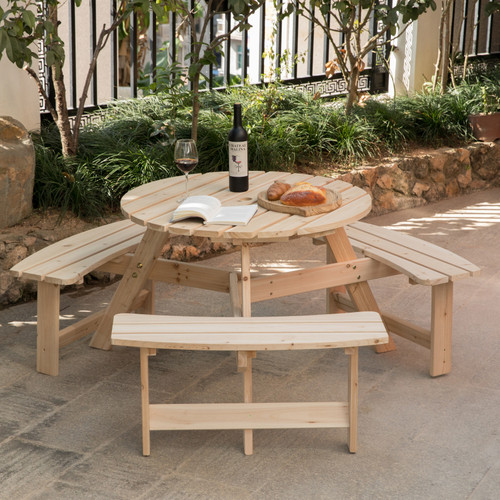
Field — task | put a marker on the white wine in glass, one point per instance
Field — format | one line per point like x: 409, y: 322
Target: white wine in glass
x: 186, y: 159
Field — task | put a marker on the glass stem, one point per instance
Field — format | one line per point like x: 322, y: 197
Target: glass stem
x: 186, y: 185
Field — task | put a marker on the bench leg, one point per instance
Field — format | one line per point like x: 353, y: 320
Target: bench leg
x: 441, y: 328
x: 145, y: 352
x: 47, y: 344
x: 352, y: 432
x: 245, y: 366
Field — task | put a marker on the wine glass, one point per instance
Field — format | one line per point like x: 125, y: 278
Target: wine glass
x: 186, y: 159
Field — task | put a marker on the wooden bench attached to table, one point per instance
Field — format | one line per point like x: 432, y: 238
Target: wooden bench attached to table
x: 246, y: 336
x: 106, y: 248
x: 425, y: 264
x: 66, y: 262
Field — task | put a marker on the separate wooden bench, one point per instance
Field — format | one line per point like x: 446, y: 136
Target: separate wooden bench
x: 425, y: 264
x: 246, y: 336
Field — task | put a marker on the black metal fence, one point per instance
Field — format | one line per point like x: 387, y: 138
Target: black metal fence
x: 475, y: 34
x: 134, y: 50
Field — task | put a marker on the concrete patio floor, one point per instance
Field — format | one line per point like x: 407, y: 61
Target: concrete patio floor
x: 78, y: 435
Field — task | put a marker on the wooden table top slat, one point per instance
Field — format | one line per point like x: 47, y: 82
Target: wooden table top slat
x: 154, y: 208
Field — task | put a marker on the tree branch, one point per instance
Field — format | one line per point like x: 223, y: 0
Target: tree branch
x: 35, y: 77
x: 103, y: 39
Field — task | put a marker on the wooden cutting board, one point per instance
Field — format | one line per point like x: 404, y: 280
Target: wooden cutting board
x: 333, y: 201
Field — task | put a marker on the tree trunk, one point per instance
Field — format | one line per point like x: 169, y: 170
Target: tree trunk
x: 67, y: 139
x: 63, y: 124
x: 352, y: 89
x: 196, y: 106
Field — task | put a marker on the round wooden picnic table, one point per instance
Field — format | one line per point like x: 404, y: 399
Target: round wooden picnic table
x: 152, y: 205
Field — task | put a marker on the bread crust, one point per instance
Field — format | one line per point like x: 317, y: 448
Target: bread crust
x: 304, y: 195
x: 276, y: 190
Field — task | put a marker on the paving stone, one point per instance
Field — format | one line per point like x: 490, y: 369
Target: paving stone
x: 78, y: 436
x: 27, y: 468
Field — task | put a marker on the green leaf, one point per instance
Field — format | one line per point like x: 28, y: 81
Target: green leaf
x: 29, y: 18
x: 193, y: 70
x: 50, y: 58
x: 9, y: 49
x: 4, y: 40
x: 48, y: 26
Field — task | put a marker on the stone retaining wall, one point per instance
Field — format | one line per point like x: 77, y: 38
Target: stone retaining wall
x: 400, y: 183
x: 429, y: 176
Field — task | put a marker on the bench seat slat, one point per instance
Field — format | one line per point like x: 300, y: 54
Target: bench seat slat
x: 440, y: 258
x: 76, y: 271
x: 410, y: 254
x: 248, y: 334
x: 420, y: 274
x: 67, y: 261
x: 66, y: 245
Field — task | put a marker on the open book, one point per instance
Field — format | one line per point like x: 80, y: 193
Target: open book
x: 211, y: 211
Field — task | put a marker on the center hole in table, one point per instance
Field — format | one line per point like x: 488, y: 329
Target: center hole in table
x: 248, y: 198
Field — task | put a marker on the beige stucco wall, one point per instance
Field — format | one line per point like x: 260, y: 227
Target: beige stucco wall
x: 412, y: 63
x: 18, y: 93
x: 425, y: 52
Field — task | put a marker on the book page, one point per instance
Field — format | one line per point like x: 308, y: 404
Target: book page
x: 197, y: 206
x: 236, y: 215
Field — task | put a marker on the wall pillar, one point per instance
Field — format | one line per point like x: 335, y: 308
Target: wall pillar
x: 412, y: 62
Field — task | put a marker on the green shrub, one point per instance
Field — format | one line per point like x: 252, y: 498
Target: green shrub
x: 132, y: 142
x: 67, y: 184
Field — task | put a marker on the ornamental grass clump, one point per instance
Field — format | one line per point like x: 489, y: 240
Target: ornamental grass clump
x: 131, y: 142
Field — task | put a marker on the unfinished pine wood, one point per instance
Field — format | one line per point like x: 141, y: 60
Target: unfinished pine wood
x: 424, y: 264
x: 248, y: 398
x: 426, y: 249
x: 227, y: 416
x: 150, y: 206
x: 146, y: 442
x: 360, y: 293
x: 318, y: 278
x: 133, y: 281
x: 154, y: 209
x: 67, y: 261
x: 323, y: 331
x: 239, y: 334
x: 441, y: 321
x: 47, y: 343
x: 246, y: 301
x: 352, y: 398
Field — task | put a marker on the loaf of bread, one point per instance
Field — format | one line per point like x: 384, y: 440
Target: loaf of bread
x: 304, y: 194
x: 276, y: 189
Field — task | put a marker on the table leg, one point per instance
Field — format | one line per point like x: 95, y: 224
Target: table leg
x: 331, y: 305
x: 246, y: 310
x: 360, y: 293
x: 133, y: 281
x: 246, y: 300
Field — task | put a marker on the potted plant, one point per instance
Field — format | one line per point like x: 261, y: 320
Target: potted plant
x: 486, y: 125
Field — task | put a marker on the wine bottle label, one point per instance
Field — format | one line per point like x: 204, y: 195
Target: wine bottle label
x: 238, y: 159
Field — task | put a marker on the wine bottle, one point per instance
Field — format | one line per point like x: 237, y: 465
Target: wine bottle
x: 238, y: 154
